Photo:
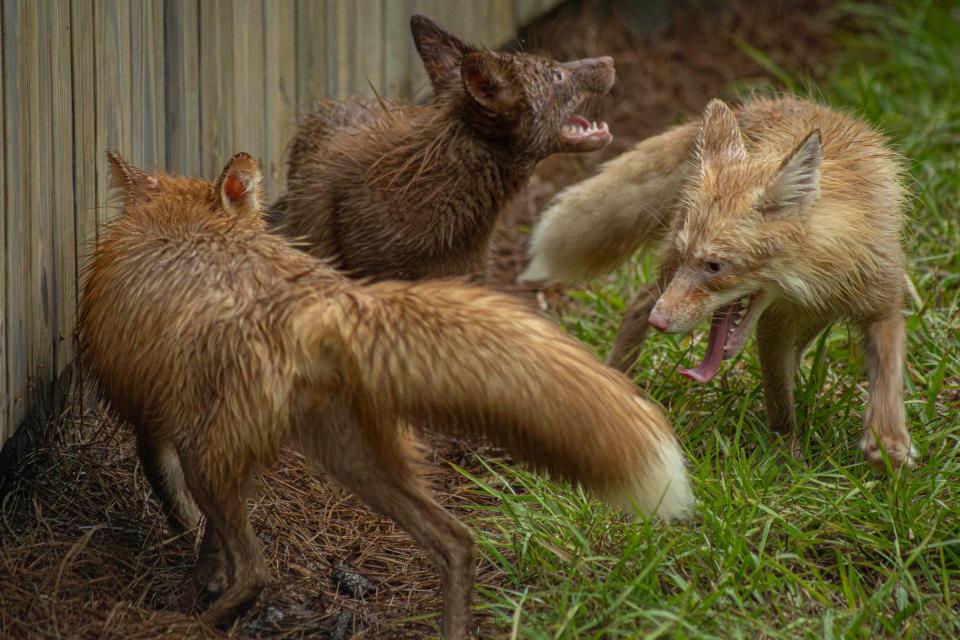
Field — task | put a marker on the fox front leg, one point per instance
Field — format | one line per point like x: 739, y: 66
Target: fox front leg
x: 776, y: 341
x: 884, y: 424
x: 783, y: 334
x: 633, y: 329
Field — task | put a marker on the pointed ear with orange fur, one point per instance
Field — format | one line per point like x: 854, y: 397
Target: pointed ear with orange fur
x: 135, y: 184
x: 720, y: 140
x: 240, y: 185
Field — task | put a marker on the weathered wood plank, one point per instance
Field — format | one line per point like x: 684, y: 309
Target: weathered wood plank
x: 280, y: 70
x: 22, y: 161
x: 248, y: 81
x: 83, y: 59
x: 42, y: 281
x: 6, y: 426
x: 499, y: 21
x: 114, y: 112
x: 400, y: 59
x: 337, y: 50
x: 311, y: 52
x: 363, y: 57
x: 182, y: 104
x: 217, y: 103
x: 63, y: 212
x: 146, y: 83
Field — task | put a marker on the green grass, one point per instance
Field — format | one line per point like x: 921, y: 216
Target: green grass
x: 817, y: 547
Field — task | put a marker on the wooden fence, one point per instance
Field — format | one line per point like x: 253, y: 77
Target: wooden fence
x: 173, y: 84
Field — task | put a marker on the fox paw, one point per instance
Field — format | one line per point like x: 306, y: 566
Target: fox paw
x: 899, y: 450
x: 210, y: 576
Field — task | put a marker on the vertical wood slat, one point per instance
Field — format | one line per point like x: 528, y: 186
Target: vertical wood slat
x: 217, y: 103
x: 280, y: 92
x: 113, y: 94
x: 246, y: 95
x: 21, y: 109
x: 147, y: 83
x: 311, y: 48
x: 181, y: 33
x: 172, y: 84
x: 363, y: 61
x: 337, y: 52
x: 6, y: 425
x: 63, y: 212
x: 399, y: 54
x: 84, y: 130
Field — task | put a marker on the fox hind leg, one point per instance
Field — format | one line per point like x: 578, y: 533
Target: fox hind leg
x: 884, y: 425
x: 210, y: 575
x: 380, y: 467
x: 161, y: 465
x: 221, y: 502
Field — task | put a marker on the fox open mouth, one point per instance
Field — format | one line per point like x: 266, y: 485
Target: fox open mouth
x: 579, y: 134
x: 728, y: 334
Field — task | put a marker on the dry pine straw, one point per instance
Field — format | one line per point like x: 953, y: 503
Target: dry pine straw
x: 83, y: 548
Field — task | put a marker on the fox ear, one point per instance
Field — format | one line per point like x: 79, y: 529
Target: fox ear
x: 239, y: 186
x: 440, y: 50
x: 135, y: 184
x: 720, y: 140
x: 797, y: 183
x: 487, y: 83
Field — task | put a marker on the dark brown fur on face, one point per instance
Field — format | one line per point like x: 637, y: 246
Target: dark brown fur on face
x: 220, y: 342
x: 412, y: 192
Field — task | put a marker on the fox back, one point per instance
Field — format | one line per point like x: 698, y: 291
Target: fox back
x: 157, y: 288
x: 394, y: 191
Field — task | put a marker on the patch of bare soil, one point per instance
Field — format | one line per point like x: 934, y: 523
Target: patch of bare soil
x: 84, y: 551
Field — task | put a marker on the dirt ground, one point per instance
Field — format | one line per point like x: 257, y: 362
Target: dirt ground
x: 83, y: 548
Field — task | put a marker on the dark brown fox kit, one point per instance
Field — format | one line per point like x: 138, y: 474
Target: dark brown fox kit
x: 220, y: 342
x: 411, y: 192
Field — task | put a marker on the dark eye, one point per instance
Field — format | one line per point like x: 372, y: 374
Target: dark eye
x: 713, y: 266
x: 557, y: 75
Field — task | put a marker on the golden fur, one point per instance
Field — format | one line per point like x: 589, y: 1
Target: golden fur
x: 798, y: 207
x: 220, y: 342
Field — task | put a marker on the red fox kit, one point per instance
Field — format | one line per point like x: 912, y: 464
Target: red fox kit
x: 220, y: 342
x: 411, y: 192
x: 782, y: 215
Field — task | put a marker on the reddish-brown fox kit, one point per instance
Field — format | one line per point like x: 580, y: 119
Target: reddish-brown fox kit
x: 411, y: 192
x: 782, y: 215
x: 219, y: 342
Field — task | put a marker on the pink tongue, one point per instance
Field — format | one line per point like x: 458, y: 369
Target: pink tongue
x: 718, y: 338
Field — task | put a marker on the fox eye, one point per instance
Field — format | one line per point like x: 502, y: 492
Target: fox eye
x: 713, y: 266
x: 557, y: 75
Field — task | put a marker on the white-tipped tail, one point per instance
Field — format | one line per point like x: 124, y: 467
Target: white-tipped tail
x: 473, y: 363
x: 663, y: 488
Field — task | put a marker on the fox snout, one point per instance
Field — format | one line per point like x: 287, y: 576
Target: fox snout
x: 659, y: 320
x: 680, y: 307
x: 595, y: 75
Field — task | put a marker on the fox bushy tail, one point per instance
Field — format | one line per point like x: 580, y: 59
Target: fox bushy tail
x: 592, y: 227
x: 474, y: 363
